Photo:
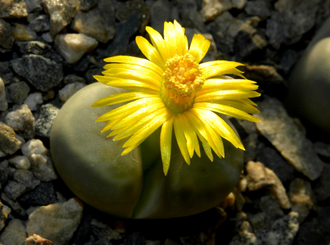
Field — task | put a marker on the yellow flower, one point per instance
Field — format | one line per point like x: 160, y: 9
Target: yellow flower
x: 170, y: 90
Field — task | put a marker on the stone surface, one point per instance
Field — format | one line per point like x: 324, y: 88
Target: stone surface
x: 213, y: 8
x: 56, y: 222
x: 61, y: 13
x: 14, y: 233
x: 14, y: 189
x: 8, y: 142
x: 322, y: 149
x: 33, y: 146
x: 260, y: 177
x: 26, y: 178
x: 37, y: 240
x: 258, y: 8
x: 42, y: 167
x: 97, y: 23
x: 44, y: 123
x: 69, y: 90
x: 6, y: 72
x: 13, y: 9
x: 72, y: 78
x: 33, y: 47
x: 73, y: 46
x: 281, y: 131
x: 160, y: 11
x: 23, y: 33
x: 14, y: 205
x: 4, y: 211
x: 17, y: 92
x: 6, y: 37
x: 4, y: 172
x: 40, y: 23
x: 22, y: 121
x: 274, y: 161
x: 41, y: 72
x: 20, y: 162
x: 323, y: 184
x: 34, y: 100
x: 43, y: 194
x: 301, y: 198
x: 3, y: 99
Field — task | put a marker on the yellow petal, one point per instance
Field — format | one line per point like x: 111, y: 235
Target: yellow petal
x: 223, y: 84
x: 166, y: 144
x: 199, y: 47
x: 227, y: 110
x: 158, y: 42
x: 181, y: 140
x: 170, y: 39
x: 126, y: 83
x: 149, y: 51
x: 143, y: 63
x: 181, y: 39
x: 220, y: 68
x: 226, y: 95
x: 121, y: 97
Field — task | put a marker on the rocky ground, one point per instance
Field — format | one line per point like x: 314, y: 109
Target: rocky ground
x: 50, y: 49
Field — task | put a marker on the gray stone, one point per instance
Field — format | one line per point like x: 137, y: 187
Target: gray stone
x: 86, y: 5
x: 264, y: 74
x: 13, y: 9
x: 26, y: 178
x: 34, y: 100
x: 245, y: 235
x: 213, y: 8
x: 13, y: 204
x: 6, y: 37
x: 72, y: 78
x: 14, y: 233
x: 274, y: 161
x: 289, y: 58
x: 44, y: 123
x: 239, y: 4
x: 17, y: 92
x: 3, y: 99
x: 14, y: 189
x: 291, y: 22
x: 61, y: 13
x: 8, y: 142
x: 124, y: 32
x: 258, y: 8
x: 23, y: 33
x: 56, y: 222
x: 33, y: 47
x: 323, y: 185
x: 281, y: 131
x: 160, y: 11
x: 73, y: 46
x: 41, y: 72
x: 33, y: 5
x: 102, y: 230
x: 22, y: 121
x: 97, y: 23
x: 40, y: 23
x: 42, y: 167
x: 5, y: 71
x: 322, y: 149
x: 43, y: 194
x: 4, y: 172
x: 20, y: 162
x: 69, y: 90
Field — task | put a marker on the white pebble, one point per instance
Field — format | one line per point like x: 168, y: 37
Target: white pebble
x: 33, y: 100
x: 33, y: 146
x: 20, y: 162
x: 66, y: 92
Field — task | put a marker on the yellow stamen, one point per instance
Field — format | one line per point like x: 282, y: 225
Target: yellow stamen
x: 182, y: 80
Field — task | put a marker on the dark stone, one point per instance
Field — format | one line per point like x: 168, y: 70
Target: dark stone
x: 274, y: 161
x: 45, y: 121
x: 83, y: 230
x: 6, y: 73
x: 258, y: 8
x: 40, y: 23
x: 124, y: 31
x: 17, y: 92
x: 86, y: 5
x: 33, y: 47
x: 289, y: 58
x: 248, y: 43
x: 4, y: 172
x: 134, y: 238
x: 323, y: 185
x: 6, y: 37
x: 41, y: 72
x: 43, y: 194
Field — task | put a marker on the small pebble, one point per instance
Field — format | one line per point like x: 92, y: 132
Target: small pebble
x: 14, y: 233
x: 69, y: 89
x: 17, y: 92
x: 8, y: 142
x: 33, y: 146
x: 42, y: 167
x: 33, y: 100
x: 3, y: 99
x: 20, y: 162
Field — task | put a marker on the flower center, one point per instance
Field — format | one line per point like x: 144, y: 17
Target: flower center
x: 182, y: 80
